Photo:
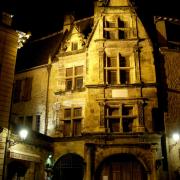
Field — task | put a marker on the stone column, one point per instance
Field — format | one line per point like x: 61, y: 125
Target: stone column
x: 89, y: 162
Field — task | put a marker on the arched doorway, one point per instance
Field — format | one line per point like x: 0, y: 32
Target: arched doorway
x: 68, y: 167
x: 121, y: 167
x: 16, y: 169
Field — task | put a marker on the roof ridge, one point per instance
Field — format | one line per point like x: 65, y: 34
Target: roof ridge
x: 48, y: 36
x: 83, y: 19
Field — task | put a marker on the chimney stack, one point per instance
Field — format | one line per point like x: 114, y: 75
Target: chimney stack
x: 7, y: 18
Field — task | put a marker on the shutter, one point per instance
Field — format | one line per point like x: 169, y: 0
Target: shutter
x: 17, y: 91
x: 26, y: 96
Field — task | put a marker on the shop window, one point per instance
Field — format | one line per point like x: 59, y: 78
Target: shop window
x: 74, y: 78
x: 22, y: 90
x: 72, y: 121
x: 117, y: 70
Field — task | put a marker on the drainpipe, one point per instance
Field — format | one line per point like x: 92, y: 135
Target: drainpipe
x: 47, y: 94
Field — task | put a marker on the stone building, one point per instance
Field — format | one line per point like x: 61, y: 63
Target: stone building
x: 16, y: 158
x: 169, y: 55
x: 8, y: 51
x: 94, y: 92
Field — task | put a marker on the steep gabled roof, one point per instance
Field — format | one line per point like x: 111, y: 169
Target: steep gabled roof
x: 85, y: 25
x: 37, y: 52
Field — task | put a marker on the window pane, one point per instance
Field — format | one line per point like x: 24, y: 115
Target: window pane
x: 74, y: 46
x: 113, y: 111
x: 69, y: 72
x: 124, y: 77
x: 111, y: 24
x: 121, y: 23
x: 121, y: 34
x: 77, y: 127
x: 68, y: 84
x: 19, y: 121
x: 77, y: 112
x: 127, y: 110
x: 38, y: 123
x: 111, y: 62
x: 79, y: 70
x: 67, y: 113
x: 114, y: 125
x: 112, y: 77
x: 127, y: 124
x: 124, y: 62
x: 28, y: 122
x: 111, y: 34
x: 79, y: 82
x: 67, y: 128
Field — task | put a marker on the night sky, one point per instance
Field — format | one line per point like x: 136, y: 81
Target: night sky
x: 42, y: 17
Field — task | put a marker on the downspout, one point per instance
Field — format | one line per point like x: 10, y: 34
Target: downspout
x: 47, y: 94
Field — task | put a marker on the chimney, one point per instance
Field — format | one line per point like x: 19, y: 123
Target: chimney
x: 161, y: 31
x: 68, y: 21
x: 7, y: 18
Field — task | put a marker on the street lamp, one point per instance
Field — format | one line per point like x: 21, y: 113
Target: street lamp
x: 175, y: 138
x: 23, y: 133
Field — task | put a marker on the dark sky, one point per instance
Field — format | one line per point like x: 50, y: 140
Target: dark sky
x: 42, y: 17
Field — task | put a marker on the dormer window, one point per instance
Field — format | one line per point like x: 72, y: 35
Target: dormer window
x: 74, y: 46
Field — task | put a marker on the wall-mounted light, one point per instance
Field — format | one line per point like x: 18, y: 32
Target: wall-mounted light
x: 23, y: 133
x: 175, y: 138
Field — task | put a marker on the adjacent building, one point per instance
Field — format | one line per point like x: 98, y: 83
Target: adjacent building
x: 169, y: 55
x: 8, y: 51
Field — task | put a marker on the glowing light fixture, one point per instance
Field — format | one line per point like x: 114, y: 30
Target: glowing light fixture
x: 23, y: 133
x: 175, y: 137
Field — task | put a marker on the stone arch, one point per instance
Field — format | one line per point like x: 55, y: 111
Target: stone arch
x: 141, y: 156
x: 69, y: 166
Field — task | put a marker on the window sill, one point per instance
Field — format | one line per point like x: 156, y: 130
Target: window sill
x: 60, y: 92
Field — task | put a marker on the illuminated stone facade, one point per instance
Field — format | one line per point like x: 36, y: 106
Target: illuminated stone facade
x: 99, y: 100
x: 8, y: 51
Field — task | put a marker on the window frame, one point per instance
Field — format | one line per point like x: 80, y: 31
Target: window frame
x: 74, y: 46
x: 72, y: 118
x: 117, y: 70
x: 73, y: 78
x: 114, y: 30
x: 119, y: 116
x: 22, y: 90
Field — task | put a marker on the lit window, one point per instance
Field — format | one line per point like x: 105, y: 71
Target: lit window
x: 72, y: 121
